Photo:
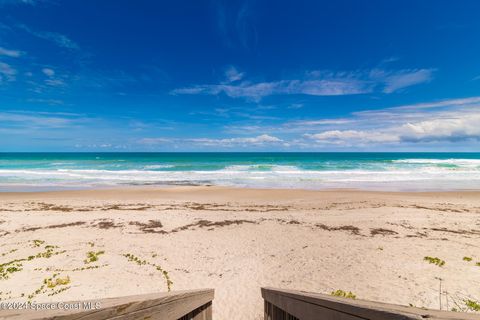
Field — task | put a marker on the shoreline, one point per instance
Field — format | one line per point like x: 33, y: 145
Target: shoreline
x: 204, y: 188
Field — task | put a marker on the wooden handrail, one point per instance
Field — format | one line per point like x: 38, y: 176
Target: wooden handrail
x: 298, y: 305
x: 179, y: 305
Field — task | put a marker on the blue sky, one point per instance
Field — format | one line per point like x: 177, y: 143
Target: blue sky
x: 239, y: 75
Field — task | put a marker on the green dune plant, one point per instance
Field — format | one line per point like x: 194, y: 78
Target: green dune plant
x: 92, y: 256
x: 435, y: 260
x: 7, y: 271
x: 343, y: 294
x: 49, y: 284
x: 141, y: 262
x: 37, y: 243
x: 463, y: 303
x: 472, y: 305
x: 8, y: 252
x: 16, y: 265
x: 52, y: 283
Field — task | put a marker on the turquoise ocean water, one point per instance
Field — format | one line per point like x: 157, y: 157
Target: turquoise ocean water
x: 373, y: 171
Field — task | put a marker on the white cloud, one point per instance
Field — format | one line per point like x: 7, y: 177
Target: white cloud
x: 30, y: 120
x: 7, y: 72
x: 10, y: 53
x: 48, y: 72
x: 295, y: 106
x: 420, y: 112
x: 14, y: 2
x: 353, y: 137
x: 407, y: 78
x: 57, y: 38
x: 232, y: 74
x: 256, y: 91
x: 209, y: 142
x: 453, y: 121
x: 154, y: 141
x: 52, y: 102
x: 438, y: 104
x: 55, y: 82
x: 305, y: 123
x: 456, y: 128
x: 258, y: 140
x: 315, y: 83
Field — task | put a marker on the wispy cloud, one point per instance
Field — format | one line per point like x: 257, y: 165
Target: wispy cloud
x: 450, y: 103
x: 155, y: 141
x: 260, y: 140
x: 235, y: 24
x: 232, y: 74
x: 317, y: 83
x: 295, y: 106
x: 52, y: 102
x: 10, y: 53
x: 7, y: 72
x: 320, y: 122
x: 352, y: 137
x: 48, y: 72
x: 57, y: 38
x: 52, y: 80
x: 257, y: 91
x: 19, y: 2
x: 31, y: 120
x: 55, y: 82
x: 406, y: 78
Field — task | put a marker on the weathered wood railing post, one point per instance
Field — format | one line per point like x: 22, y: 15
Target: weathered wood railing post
x: 298, y: 305
x: 180, y: 305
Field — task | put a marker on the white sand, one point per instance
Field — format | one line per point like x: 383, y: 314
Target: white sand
x: 251, y: 238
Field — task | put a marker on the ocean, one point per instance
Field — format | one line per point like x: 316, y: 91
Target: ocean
x: 370, y: 171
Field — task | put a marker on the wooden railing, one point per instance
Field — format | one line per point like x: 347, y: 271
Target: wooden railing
x: 180, y: 305
x: 299, y: 305
x: 197, y: 305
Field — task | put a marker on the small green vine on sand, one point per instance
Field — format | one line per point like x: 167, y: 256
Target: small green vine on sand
x: 50, y: 284
x: 6, y: 271
x: 141, y: 262
x: 16, y: 265
x: 435, y: 260
x: 58, y: 282
x: 92, y: 256
x: 37, y: 243
x: 343, y: 294
x: 472, y: 305
x: 8, y: 252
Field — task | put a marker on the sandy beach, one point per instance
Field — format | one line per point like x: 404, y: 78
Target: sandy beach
x: 108, y: 243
